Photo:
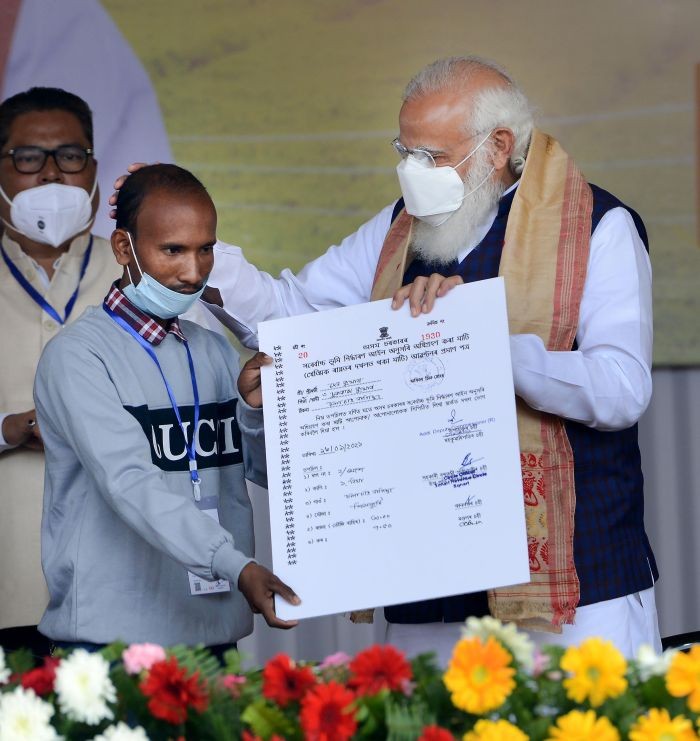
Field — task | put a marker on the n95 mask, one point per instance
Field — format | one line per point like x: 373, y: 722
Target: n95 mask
x: 52, y: 213
x: 433, y: 194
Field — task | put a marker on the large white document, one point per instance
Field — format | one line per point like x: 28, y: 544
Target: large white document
x: 392, y: 452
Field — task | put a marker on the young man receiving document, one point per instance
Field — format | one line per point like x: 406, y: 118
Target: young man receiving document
x: 147, y: 531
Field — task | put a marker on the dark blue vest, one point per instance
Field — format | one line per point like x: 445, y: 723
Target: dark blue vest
x: 611, y: 549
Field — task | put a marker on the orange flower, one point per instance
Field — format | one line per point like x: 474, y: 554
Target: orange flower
x: 479, y: 675
x: 683, y: 677
x: 284, y: 682
x: 327, y: 713
x: 377, y: 668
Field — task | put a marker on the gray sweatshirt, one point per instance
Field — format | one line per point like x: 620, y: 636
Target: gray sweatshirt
x: 120, y: 526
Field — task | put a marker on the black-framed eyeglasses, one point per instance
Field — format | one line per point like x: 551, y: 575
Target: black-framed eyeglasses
x: 69, y: 158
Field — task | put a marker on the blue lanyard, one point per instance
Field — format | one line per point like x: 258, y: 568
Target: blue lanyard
x: 37, y: 297
x: 191, y: 454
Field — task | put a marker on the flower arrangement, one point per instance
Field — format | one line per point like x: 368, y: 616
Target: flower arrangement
x: 497, y: 687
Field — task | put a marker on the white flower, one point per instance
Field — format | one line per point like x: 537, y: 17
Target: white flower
x: 84, y: 688
x: 122, y: 732
x: 650, y: 664
x: 4, y: 671
x: 519, y: 644
x: 23, y: 715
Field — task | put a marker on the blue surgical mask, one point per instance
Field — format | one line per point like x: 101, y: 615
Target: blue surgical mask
x: 153, y: 297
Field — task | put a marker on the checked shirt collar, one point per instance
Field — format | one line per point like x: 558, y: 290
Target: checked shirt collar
x: 144, y: 324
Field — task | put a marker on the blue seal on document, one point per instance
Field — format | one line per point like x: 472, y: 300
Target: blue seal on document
x: 425, y: 373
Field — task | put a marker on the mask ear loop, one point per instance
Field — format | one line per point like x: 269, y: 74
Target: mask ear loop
x: 8, y: 200
x: 133, y: 252
x: 476, y: 149
x: 94, y: 188
x: 473, y: 190
x: 491, y: 171
x: 92, y: 218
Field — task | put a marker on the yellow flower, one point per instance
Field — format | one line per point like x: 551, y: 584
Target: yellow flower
x: 479, y: 675
x: 499, y: 730
x: 597, y: 671
x: 580, y: 726
x: 658, y: 725
x: 683, y: 677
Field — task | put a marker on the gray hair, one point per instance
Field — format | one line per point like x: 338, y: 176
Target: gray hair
x: 499, y: 105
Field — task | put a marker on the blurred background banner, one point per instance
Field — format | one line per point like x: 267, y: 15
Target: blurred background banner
x: 285, y: 110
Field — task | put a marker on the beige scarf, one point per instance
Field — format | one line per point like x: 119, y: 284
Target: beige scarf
x: 544, y: 263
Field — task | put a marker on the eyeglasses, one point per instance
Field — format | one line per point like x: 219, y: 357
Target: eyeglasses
x: 424, y: 156
x: 69, y: 158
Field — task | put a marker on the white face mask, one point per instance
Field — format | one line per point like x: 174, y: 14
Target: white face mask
x: 52, y: 213
x: 433, y: 194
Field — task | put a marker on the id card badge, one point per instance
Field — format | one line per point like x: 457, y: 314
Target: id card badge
x: 199, y: 586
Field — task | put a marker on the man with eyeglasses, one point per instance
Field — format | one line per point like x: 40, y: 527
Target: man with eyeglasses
x: 484, y: 193
x: 51, y: 269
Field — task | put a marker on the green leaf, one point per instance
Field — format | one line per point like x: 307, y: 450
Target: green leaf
x: 197, y: 658
x: 265, y: 720
x: 406, y: 723
x: 20, y: 661
x: 372, y: 709
x: 233, y: 661
x: 113, y: 652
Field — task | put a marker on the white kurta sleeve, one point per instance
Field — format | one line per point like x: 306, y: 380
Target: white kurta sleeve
x: 606, y: 382
x: 341, y: 277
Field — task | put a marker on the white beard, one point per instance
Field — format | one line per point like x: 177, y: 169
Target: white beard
x: 440, y: 245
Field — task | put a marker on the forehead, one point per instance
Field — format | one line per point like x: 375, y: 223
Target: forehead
x: 435, y: 120
x: 183, y: 218
x: 46, y: 128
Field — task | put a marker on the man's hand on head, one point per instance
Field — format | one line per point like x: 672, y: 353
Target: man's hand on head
x: 421, y: 294
x: 120, y: 181
x: 259, y: 585
x: 22, y: 429
x: 250, y: 379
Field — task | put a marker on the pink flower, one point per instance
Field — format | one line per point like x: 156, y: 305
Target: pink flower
x: 336, y: 659
x: 141, y: 656
x: 233, y: 683
x: 540, y: 663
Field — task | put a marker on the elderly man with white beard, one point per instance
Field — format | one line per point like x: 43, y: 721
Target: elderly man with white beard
x: 484, y: 194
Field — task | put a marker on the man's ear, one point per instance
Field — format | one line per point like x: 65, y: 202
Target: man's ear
x: 503, y: 142
x: 121, y: 246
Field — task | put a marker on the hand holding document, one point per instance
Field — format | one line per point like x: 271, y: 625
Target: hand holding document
x: 392, y: 448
